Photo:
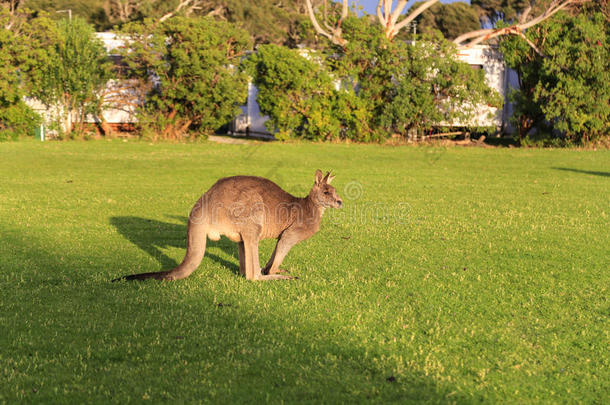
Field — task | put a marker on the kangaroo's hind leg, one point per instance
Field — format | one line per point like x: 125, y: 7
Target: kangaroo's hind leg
x: 242, y: 258
x: 249, y: 258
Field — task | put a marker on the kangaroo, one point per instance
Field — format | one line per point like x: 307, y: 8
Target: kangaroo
x: 247, y: 209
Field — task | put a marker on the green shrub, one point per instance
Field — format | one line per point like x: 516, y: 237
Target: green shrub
x: 300, y: 96
x: 15, y: 117
x: 409, y: 86
x: 68, y: 68
x: 17, y: 120
x: 568, y: 89
x: 431, y: 87
x: 368, y: 89
x: 194, y: 61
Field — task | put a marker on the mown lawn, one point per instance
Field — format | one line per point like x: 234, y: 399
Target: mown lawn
x: 451, y: 275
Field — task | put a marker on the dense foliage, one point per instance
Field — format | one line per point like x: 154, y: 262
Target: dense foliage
x: 433, y: 88
x: 409, y: 87
x: 492, y: 11
x: 15, y: 116
x: 369, y: 89
x: 567, y: 89
x: 300, y: 96
x: 187, y: 69
x: 451, y: 19
x: 267, y: 21
x: 183, y: 78
x: 69, y: 70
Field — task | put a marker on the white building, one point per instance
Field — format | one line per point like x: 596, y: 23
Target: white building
x: 499, y: 77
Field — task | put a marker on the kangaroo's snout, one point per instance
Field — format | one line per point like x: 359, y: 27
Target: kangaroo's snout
x: 339, y: 203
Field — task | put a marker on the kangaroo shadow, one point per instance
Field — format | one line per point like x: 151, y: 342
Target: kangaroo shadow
x: 151, y: 236
x: 594, y: 173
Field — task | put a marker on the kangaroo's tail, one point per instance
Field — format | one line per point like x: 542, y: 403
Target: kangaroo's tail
x: 195, y: 249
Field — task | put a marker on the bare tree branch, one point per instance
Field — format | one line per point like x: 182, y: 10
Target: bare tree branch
x: 344, y: 10
x: 530, y: 43
x: 526, y: 12
x: 389, y: 18
x: 218, y: 11
x: 397, y: 11
x: 554, y: 7
x: 183, y: 3
x: 379, y: 13
x: 314, y: 20
x: 412, y: 16
x: 325, y: 15
x: 333, y: 33
x: 121, y: 10
x: 11, y: 5
x: 472, y: 38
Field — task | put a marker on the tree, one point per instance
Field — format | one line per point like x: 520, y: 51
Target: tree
x: 433, y: 87
x: 332, y: 27
x: 91, y: 11
x: 10, y: 93
x: 10, y: 6
x: 568, y: 89
x: 267, y: 21
x: 492, y: 11
x: 187, y: 70
x: 392, y: 21
x: 16, y: 118
x: 408, y: 87
x: 301, y: 97
x: 525, y: 21
x: 69, y: 69
x: 450, y: 19
x: 368, y: 89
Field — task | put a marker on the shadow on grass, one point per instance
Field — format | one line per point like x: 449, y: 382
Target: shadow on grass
x: 206, y: 351
x: 591, y: 172
x: 151, y: 236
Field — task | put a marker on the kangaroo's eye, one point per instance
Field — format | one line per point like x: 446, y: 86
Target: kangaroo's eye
x: 327, y: 192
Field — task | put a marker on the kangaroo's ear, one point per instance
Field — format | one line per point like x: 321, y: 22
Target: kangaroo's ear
x: 318, y: 176
x: 328, y: 178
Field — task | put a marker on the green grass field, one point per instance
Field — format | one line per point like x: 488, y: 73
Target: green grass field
x: 451, y: 275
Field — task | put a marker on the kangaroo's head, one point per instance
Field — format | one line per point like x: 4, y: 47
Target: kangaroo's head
x: 323, y: 194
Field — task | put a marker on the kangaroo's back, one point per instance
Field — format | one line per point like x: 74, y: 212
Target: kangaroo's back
x: 237, y: 205
x: 247, y: 190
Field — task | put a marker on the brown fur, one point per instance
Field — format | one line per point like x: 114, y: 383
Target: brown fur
x: 247, y: 209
